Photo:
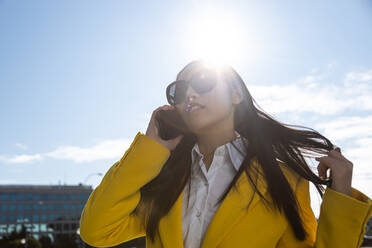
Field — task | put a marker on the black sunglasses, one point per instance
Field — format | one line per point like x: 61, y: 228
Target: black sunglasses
x: 201, y: 83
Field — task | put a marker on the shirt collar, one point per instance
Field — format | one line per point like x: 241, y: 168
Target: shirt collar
x: 234, y: 155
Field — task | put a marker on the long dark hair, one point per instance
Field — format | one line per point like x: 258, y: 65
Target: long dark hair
x: 269, y: 141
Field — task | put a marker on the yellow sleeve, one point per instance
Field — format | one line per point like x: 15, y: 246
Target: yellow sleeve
x: 105, y: 220
x: 342, y: 220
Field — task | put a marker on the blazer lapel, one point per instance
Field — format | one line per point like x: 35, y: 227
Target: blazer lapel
x: 170, y: 226
x: 228, y: 214
x: 232, y: 209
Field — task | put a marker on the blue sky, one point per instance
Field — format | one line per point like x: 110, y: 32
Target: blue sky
x: 79, y: 79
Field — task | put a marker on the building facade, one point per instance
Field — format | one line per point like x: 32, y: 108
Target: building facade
x: 44, y: 210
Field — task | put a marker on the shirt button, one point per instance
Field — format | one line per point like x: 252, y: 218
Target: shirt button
x: 198, y: 214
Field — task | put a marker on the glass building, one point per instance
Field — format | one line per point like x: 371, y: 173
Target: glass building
x: 44, y: 210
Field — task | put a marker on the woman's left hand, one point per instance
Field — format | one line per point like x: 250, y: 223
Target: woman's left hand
x: 341, y: 170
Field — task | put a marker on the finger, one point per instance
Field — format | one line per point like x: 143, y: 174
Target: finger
x: 337, y: 148
x: 156, y: 110
x: 336, y: 153
x: 322, y: 171
x: 328, y: 161
x: 168, y: 107
x: 176, y: 140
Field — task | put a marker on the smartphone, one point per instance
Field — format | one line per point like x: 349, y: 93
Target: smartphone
x: 170, y: 124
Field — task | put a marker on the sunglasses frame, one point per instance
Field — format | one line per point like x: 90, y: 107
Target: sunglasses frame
x: 189, y: 83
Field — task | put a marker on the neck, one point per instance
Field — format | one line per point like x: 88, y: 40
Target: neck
x: 209, y: 141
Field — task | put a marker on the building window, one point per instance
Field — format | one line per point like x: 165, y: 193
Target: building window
x: 43, y: 217
x: 35, y: 217
x: 58, y: 217
x: 12, y: 207
x: 43, y: 227
x: 36, y: 197
x: 44, y: 207
x: 84, y: 197
x: 20, y: 197
x: 20, y: 217
x: 35, y: 227
x: 11, y: 218
x: 44, y: 197
x: 13, y: 196
x: 4, y: 207
x: 20, y: 207
x: 52, y: 197
x: 3, y: 218
x: 29, y: 197
x: 28, y: 217
x: 4, y: 197
x: 60, y: 197
x: 36, y: 206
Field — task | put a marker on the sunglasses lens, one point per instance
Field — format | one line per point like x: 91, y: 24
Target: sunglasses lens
x: 202, y: 83
x: 177, y: 92
x: 180, y: 91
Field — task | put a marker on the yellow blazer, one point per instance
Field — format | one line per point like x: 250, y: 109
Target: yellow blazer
x: 105, y: 219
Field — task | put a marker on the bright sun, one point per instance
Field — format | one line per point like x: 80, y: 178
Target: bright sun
x: 215, y: 36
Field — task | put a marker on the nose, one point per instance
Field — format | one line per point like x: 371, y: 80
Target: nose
x: 191, y: 94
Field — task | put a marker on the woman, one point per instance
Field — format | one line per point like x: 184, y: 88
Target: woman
x: 236, y: 178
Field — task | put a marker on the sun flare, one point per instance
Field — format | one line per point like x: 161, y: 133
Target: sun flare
x: 215, y: 36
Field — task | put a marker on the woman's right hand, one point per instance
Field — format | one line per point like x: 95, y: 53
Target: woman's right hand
x: 153, y: 131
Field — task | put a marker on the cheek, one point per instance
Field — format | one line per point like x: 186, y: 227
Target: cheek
x: 219, y: 102
x: 218, y: 107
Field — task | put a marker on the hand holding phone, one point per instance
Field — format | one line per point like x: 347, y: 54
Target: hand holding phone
x: 166, y: 127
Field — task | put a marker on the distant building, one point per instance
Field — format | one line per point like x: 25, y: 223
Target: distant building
x: 45, y: 210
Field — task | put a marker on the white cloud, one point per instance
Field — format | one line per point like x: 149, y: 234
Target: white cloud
x: 346, y: 127
x: 359, y: 76
x: 314, y: 98
x: 361, y: 156
x: 20, y: 159
x: 108, y: 149
x: 22, y: 146
x: 313, y: 94
x: 314, y: 70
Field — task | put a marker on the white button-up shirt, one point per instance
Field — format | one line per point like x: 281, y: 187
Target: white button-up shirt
x: 206, y: 187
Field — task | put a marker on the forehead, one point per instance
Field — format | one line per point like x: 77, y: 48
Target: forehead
x: 193, y: 71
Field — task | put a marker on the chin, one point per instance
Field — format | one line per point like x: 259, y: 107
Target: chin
x: 199, y: 126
